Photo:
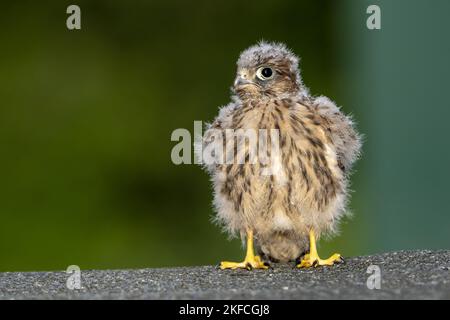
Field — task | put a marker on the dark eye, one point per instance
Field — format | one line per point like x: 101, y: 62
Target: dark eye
x: 264, y: 73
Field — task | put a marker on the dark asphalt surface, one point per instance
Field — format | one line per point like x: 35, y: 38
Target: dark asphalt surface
x: 404, y: 275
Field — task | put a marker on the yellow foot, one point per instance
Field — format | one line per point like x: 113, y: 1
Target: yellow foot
x: 249, y: 264
x: 314, y: 261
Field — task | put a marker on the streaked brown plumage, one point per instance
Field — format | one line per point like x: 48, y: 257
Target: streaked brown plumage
x: 306, y: 189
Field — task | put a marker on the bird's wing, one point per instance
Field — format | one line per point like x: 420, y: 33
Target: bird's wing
x: 342, y: 131
x: 221, y: 122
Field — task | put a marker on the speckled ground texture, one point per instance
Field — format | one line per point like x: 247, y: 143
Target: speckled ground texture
x: 405, y: 275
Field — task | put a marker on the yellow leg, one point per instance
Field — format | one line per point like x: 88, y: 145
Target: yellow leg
x: 250, y: 262
x: 312, y: 259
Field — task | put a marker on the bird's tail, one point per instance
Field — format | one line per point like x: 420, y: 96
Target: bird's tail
x: 282, y: 246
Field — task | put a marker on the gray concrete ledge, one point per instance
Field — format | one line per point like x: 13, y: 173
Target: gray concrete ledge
x: 405, y: 275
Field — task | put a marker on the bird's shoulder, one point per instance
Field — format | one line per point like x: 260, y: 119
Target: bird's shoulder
x: 225, y: 116
x: 339, y: 129
x: 319, y: 122
x: 320, y: 111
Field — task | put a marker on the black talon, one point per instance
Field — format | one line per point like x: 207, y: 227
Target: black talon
x: 248, y: 266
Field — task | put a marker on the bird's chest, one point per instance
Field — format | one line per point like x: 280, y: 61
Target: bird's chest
x: 283, y: 151
x: 258, y: 144
x: 258, y: 132
x: 259, y: 116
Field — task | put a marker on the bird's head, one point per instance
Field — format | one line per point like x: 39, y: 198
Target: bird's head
x: 267, y: 70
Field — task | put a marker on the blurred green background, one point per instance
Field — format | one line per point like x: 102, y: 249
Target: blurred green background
x: 86, y: 118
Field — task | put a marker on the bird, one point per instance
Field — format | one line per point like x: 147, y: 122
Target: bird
x: 280, y: 203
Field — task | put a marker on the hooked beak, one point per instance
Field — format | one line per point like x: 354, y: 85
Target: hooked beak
x: 241, y: 81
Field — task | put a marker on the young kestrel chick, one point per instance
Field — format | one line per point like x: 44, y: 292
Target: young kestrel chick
x: 288, y: 202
